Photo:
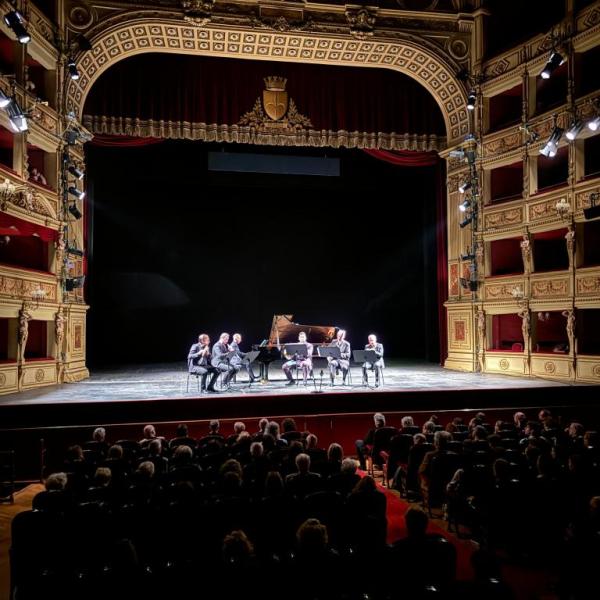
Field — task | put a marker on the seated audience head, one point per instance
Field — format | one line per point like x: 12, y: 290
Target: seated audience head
x: 183, y: 455
x: 416, y: 522
x: 288, y: 425
x: 155, y: 447
x: 214, y: 425
x: 379, y: 420
x: 238, y: 427
x: 418, y: 439
x: 312, y: 537
x: 99, y: 434
x: 149, y: 432
x: 231, y: 466
x: 479, y: 433
x: 501, y: 469
x: 75, y: 453
x: 303, y: 463
x: 428, y: 427
x: 181, y: 431
x: 311, y: 441
x: 575, y: 430
x: 273, y: 429
x: 146, y: 470
x: 335, y: 452
x: 274, y: 484
x: 366, y: 485
x: 102, y: 477
x: 441, y: 439
x: 56, y: 482
x: 115, y: 452
x: 519, y: 419
x: 237, y: 547
x: 407, y: 421
x: 262, y: 425
x: 256, y: 450
x: 434, y: 419
x: 349, y: 466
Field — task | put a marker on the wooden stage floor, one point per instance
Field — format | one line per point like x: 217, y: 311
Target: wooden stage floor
x: 133, y: 394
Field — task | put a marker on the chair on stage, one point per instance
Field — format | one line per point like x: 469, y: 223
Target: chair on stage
x: 198, y: 376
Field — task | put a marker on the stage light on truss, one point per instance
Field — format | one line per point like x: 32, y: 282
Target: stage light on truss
x: 79, y: 194
x: 75, y: 211
x: 463, y: 187
x: 4, y: 100
x: 72, y: 68
x: 16, y: 117
x: 594, y: 123
x: 73, y: 283
x: 465, y: 221
x: 574, y: 129
x: 73, y: 170
x: 15, y: 22
x: 472, y: 100
x: 551, y: 147
x: 556, y: 59
x: 464, y: 206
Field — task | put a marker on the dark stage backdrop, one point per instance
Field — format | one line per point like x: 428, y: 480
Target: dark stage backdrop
x: 176, y: 250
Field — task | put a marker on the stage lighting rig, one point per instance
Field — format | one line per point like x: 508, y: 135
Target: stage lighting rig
x: 14, y: 20
x: 472, y: 100
x: 551, y: 147
x: 574, y: 129
x: 75, y: 172
x: 75, y: 211
x: 79, y: 194
x: 463, y: 187
x: 464, y: 205
x: 72, y: 283
x: 554, y: 61
x: 72, y: 68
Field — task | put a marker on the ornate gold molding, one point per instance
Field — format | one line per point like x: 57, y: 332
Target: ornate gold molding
x: 132, y: 33
x: 503, y: 218
x: 272, y: 134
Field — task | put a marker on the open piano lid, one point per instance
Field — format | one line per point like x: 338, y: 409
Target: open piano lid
x: 285, y: 331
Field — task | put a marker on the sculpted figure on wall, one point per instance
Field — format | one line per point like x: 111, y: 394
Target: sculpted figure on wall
x: 570, y: 238
x: 570, y: 316
x: 526, y: 253
x: 24, y: 318
x: 525, y: 326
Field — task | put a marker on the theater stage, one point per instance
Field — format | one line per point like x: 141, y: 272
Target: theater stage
x: 154, y: 392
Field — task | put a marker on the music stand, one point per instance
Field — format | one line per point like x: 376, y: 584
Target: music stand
x: 363, y: 356
x: 248, y: 359
x: 293, y: 349
x: 332, y: 352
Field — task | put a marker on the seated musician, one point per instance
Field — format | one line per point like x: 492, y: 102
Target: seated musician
x: 199, y: 362
x: 221, y: 359
x: 376, y: 366
x: 342, y: 363
x: 238, y: 358
x: 300, y: 360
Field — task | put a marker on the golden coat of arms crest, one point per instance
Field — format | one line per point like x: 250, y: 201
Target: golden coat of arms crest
x: 275, y: 97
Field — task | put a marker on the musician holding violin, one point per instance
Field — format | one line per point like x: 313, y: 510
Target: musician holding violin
x: 199, y: 362
x: 300, y: 360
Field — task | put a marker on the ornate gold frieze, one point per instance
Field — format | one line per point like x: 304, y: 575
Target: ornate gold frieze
x: 361, y: 21
x: 503, y: 218
x: 501, y: 145
x: 21, y: 287
x: 538, y: 211
x: 549, y: 288
x: 587, y: 285
x: 275, y: 136
x: 499, y: 291
x: 583, y: 199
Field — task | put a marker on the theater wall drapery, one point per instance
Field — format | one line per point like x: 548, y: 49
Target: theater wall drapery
x: 204, y: 98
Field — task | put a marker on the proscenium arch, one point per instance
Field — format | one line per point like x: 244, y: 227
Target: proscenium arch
x: 139, y: 35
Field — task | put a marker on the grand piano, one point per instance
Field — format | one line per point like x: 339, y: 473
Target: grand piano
x: 285, y: 331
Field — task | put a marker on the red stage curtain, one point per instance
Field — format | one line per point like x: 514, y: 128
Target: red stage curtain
x: 406, y: 158
x: 10, y: 225
x: 123, y: 141
x: 219, y: 91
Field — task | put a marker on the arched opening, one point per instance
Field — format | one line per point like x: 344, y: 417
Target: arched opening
x: 221, y: 236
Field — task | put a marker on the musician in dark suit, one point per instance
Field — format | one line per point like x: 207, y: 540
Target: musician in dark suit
x: 237, y: 360
x: 199, y: 362
x: 221, y: 359
x: 342, y: 363
x: 376, y: 366
x: 300, y: 360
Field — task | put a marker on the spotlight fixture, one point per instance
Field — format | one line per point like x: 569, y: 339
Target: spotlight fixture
x: 594, y: 123
x: 74, y: 283
x: 463, y: 187
x: 463, y: 206
x: 556, y: 59
x: 465, y: 221
x: 471, y: 100
x: 551, y: 147
x: 4, y: 100
x: 458, y: 153
x: 79, y: 194
x: 593, y: 210
x: 17, y: 118
x: 574, y: 129
x: 14, y: 19
x: 75, y: 172
x: 75, y: 211
x: 74, y: 251
x: 72, y: 67
x: 467, y: 257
